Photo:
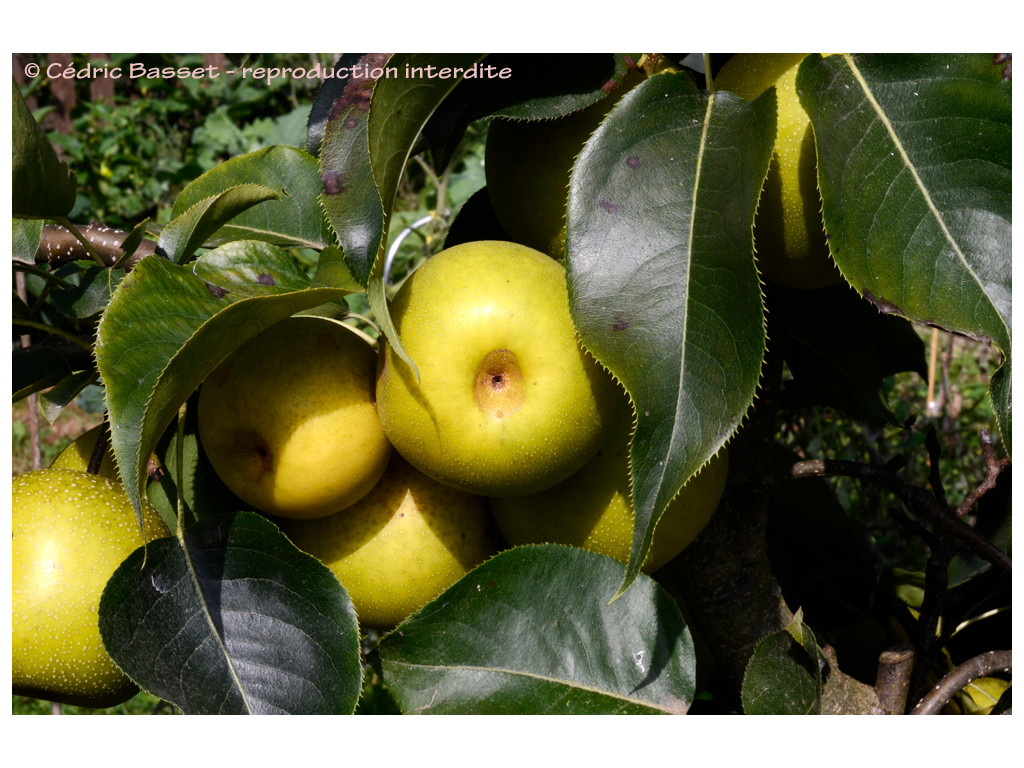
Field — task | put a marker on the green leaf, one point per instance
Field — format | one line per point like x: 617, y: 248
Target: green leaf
x: 783, y: 676
x: 62, y: 394
x: 348, y: 191
x: 551, y: 86
x: 166, y: 329
x: 41, y: 185
x: 521, y: 86
x: 36, y: 368
x: 25, y: 236
x: 332, y: 271
x: 400, y: 109
x: 840, y: 349
x: 233, y: 619
x: 531, y: 632
x: 202, y: 493
x: 367, y: 141
x: 92, y: 293
x: 292, y: 219
x: 914, y: 165
x: 186, y: 233
x: 662, y: 283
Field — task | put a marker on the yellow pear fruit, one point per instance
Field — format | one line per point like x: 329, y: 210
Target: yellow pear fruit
x: 789, y: 235
x: 592, y: 509
x: 70, y: 531
x: 401, y: 545
x: 77, y: 454
x: 288, y: 420
x: 528, y: 164
x: 506, y: 402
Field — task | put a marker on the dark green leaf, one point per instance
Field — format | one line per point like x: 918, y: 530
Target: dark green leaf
x: 784, y: 674
x: 132, y: 242
x: 36, y: 368
x: 550, y: 86
x: 662, y: 282
x: 840, y: 349
x: 348, y: 192
x: 166, y: 329
x: 291, y: 219
x: 401, y: 107
x: 233, y: 619
x: 92, y: 293
x: 531, y: 631
x: 521, y: 86
x: 41, y: 185
x: 330, y: 91
x: 914, y: 165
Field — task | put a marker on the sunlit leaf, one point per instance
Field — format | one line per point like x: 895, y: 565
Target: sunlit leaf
x: 531, y: 631
x: 662, y: 282
x: 291, y: 219
x: 187, y: 232
x: 166, y: 329
x: 914, y: 165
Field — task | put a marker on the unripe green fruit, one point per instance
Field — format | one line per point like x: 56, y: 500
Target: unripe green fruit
x: 592, y: 508
x: 789, y: 235
x: 506, y: 402
x: 70, y: 532
x: 401, y: 545
x: 289, y: 421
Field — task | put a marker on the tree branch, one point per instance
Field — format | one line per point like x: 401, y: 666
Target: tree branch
x: 892, y: 683
x: 918, y: 501
x: 59, y: 246
x: 969, y: 671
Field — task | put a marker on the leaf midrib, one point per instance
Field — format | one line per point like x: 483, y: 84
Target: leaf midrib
x: 529, y: 675
x: 918, y: 181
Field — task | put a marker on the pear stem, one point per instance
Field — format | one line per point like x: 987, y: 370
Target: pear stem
x: 99, y: 450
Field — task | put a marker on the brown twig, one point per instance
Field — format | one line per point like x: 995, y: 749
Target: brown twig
x: 980, y: 666
x: 892, y: 684
x: 918, y: 501
x: 59, y: 246
x: 994, y: 467
x: 931, y: 442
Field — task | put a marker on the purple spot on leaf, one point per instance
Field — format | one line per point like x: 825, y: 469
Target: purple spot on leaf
x: 331, y: 182
x: 608, y: 206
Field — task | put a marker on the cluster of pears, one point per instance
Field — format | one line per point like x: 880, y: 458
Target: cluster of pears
x: 402, y: 477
